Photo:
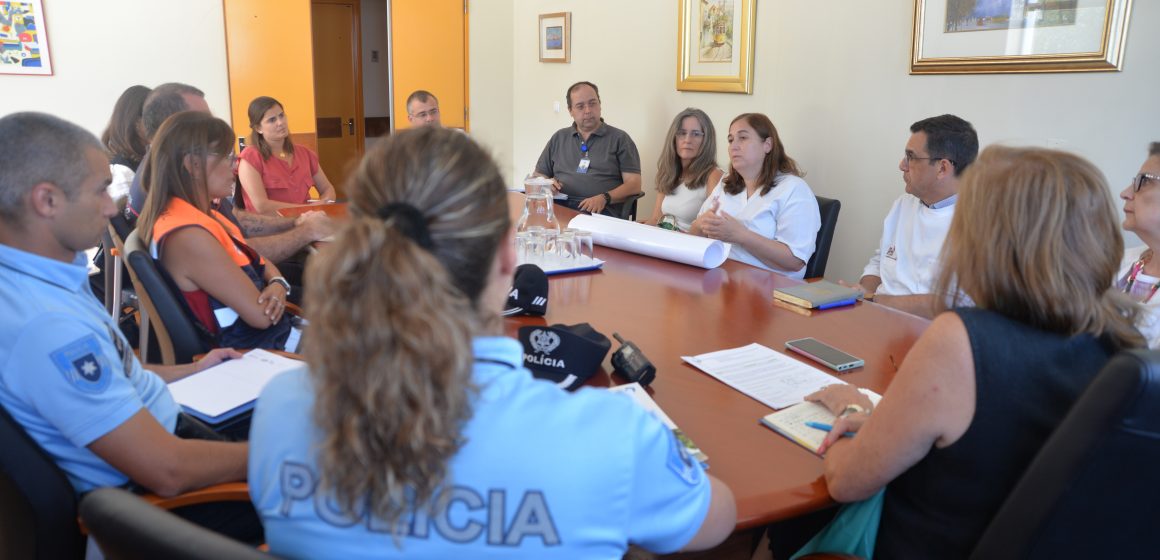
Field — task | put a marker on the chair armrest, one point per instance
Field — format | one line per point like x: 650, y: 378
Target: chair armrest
x: 225, y: 492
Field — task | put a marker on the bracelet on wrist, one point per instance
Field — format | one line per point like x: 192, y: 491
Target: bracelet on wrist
x: 607, y: 198
x: 281, y: 281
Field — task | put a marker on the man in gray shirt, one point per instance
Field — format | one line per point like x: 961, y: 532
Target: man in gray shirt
x: 595, y: 164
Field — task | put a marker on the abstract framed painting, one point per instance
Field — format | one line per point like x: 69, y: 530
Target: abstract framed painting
x: 555, y: 37
x: 715, y: 45
x: 24, y: 38
x: 994, y: 36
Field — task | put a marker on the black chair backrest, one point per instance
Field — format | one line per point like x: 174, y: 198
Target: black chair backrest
x: 177, y: 335
x: 828, y: 208
x: 38, y: 505
x: 1091, y: 491
x: 628, y: 207
x: 128, y: 528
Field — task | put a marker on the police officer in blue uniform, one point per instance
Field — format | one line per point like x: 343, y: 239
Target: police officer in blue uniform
x: 418, y: 433
x: 67, y: 374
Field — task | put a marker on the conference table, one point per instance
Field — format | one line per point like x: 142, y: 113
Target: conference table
x: 671, y: 310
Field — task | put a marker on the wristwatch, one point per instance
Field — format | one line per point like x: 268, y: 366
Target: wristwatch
x: 851, y: 409
x: 607, y: 198
x: 282, y: 281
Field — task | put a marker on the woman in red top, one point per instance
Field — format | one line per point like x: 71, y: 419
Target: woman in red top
x: 273, y: 171
x: 232, y: 291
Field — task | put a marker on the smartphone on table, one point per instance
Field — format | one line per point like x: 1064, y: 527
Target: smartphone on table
x: 824, y: 354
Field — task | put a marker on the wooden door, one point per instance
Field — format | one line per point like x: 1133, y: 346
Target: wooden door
x: 429, y: 52
x: 262, y: 62
x: 337, y: 87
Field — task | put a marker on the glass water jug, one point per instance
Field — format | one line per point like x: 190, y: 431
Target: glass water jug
x: 538, y: 208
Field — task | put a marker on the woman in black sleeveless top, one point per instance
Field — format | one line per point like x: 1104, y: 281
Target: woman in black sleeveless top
x: 1035, y: 244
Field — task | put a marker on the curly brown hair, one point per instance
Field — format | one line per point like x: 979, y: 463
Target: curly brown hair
x: 392, y: 322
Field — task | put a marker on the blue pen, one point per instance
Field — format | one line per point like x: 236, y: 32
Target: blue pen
x: 825, y: 428
x: 842, y: 303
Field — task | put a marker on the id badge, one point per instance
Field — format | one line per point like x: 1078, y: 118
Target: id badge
x: 583, y: 167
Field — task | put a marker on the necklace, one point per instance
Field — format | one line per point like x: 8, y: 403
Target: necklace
x: 1137, y: 267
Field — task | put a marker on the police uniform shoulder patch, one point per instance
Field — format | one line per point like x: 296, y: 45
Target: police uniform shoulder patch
x: 83, y: 364
x: 682, y: 463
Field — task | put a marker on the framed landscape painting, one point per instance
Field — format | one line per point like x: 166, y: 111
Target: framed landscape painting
x: 555, y: 37
x: 715, y: 45
x: 23, y: 38
x: 988, y: 36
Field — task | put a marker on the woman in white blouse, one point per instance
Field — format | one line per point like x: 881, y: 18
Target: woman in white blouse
x: 1139, y: 275
x: 763, y: 207
x: 687, y: 170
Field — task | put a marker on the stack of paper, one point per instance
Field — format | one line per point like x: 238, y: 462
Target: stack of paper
x: 231, y: 387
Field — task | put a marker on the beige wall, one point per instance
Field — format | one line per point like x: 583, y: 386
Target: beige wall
x: 492, y: 80
x: 832, y: 76
x: 101, y: 48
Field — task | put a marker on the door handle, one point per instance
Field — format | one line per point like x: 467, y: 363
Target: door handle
x: 350, y: 126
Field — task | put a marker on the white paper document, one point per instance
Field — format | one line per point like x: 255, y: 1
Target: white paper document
x: 230, y: 384
x: 767, y: 375
x: 653, y: 241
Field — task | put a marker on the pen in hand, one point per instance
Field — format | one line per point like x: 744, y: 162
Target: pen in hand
x: 826, y: 428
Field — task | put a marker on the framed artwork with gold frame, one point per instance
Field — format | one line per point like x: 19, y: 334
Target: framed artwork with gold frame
x: 715, y: 45
x: 971, y: 37
x: 555, y: 37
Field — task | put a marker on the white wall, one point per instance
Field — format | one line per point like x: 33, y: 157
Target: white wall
x: 491, y: 80
x: 101, y: 48
x: 376, y: 96
x: 834, y: 78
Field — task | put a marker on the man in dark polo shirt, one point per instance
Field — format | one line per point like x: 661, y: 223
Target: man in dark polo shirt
x: 595, y: 164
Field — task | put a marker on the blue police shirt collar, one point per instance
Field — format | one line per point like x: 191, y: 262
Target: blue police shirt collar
x: 70, y: 276
x: 493, y: 353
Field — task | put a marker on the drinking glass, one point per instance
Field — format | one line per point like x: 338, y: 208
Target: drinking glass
x: 584, y: 247
x: 566, y: 248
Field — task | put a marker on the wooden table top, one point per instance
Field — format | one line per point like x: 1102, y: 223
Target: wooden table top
x: 671, y: 310
x: 332, y: 209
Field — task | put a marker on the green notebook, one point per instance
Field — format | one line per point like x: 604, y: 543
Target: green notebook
x: 817, y: 294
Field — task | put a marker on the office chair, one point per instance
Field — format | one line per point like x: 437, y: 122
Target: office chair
x: 828, y: 208
x: 1090, y: 492
x: 38, y: 506
x: 628, y: 206
x: 176, y: 334
x: 129, y: 528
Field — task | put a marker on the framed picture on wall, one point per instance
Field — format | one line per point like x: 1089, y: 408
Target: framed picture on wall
x: 24, y: 38
x: 555, y: 37
x: 973, y: 36
x: 715, y: 45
